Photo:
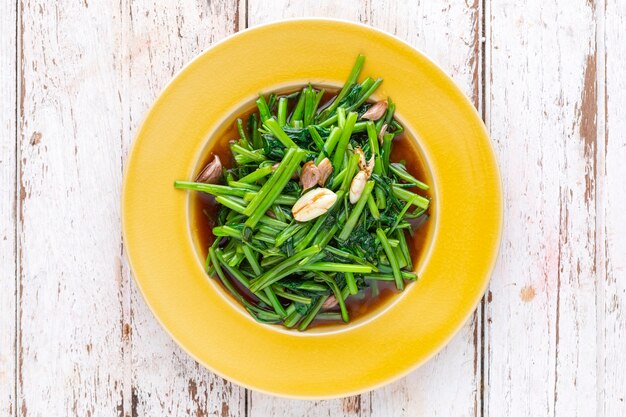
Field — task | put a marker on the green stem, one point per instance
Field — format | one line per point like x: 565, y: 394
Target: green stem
x: 269, y: 184
x: 296, y: 116
x: 226, y: 231
x: 389, y: 276
x: 391, y: 257
x: 289, y: 232
x: 352, y: 77
x: 273, y: 126
x: 277, y: 189
x: 312, y: 313
x: 212, y: 189
x: 351, y: 170
x: 290, y: 296
x: 231, y: 204
x: 257, y: 174
x: 285, y: 200
x: 254, y: 156
x: 402, y: 173
x: 292, y: 319
x: 342, y: 145
x: 319, y: 142
x: 371, y: 203
x: 338, y: 296
x: 386, y: 151
x: 282, y: 111
x: 356, y: 211
x: 341, y: 117
x: 329, y: 145
x: 404, y: 247
x: 264, y: 110
x: 242, y: 134
x: 281, y: 270
x: 351, y: 283
x: 337, y: 267
x: 366, y: 94
x: 406, y: 195
x: 253, y: 131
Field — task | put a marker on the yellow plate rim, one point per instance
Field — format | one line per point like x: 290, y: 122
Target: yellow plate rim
x: 443, y: 341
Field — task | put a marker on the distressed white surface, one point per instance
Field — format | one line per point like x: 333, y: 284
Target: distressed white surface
x: 555, y: 328
x: 8, y: 84
x: 449, y: 32
x: 70, y: 357
x: 541, y: 111
x: 612, y: 239
x: 158, y: 40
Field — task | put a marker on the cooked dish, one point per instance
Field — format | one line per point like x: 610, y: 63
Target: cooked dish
x: 310, y: 214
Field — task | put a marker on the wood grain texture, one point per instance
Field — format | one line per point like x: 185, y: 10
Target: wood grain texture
x: 76, y: 79
x: 449, y: 32
x: 159, y: 38
x: 612, y: 238
x: 542, y: 110
x: 8, y: 266
x: 70, y: 357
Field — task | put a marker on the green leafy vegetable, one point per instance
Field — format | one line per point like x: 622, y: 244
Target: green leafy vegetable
x: 292, y: 252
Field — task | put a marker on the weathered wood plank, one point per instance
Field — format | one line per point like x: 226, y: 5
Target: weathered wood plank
x: 452, y: 37
x: 158, y: 39
x: 70, y: 357
x: 611, y: 239
x: 8, y: 309
x: 259, y: 12
x: 449, y: 32
x: 541, y: 110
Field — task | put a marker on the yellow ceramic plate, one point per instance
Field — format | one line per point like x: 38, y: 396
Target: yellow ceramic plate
x: 343, y: 360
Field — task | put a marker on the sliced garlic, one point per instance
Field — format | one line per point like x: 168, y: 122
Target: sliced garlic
x: 212, y: 172
x: 357, y: 186
x: 325, y: 168
x: 376, y: 111
x: 313, y: 204
x: 381, y: 135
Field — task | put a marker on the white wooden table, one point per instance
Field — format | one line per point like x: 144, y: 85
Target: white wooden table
x: 549, y: 79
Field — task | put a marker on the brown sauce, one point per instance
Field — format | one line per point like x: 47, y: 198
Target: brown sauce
x: 204, y: 209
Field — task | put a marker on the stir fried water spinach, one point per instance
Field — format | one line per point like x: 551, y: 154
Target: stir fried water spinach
x: 313, y: 210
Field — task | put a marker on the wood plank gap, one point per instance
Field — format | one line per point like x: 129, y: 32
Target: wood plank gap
x: 16, y: 207
x: 128, y: 406
x: 482, y: 109
x: 600, y: 204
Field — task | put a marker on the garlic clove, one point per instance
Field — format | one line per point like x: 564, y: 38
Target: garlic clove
x: 357, y: 186
x: 376, y: 111
x: 325, y: 168
x: 330, y: 302
x: 310, y: 175
x: 212, y: 172
x: 313, y: 204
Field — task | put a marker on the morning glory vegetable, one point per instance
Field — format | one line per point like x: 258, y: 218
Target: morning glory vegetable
x: 313, y: 212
